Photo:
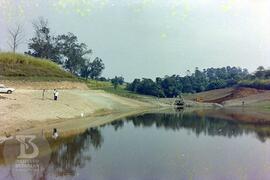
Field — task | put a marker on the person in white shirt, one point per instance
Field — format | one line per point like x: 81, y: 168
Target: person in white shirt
x: 56, y: 94
x: 55, y: 133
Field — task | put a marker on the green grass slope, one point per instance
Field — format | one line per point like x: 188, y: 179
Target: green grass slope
x: 19, y: 66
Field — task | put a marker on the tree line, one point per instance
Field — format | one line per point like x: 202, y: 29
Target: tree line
x: 260, y: 79
x: 76, y: 57
x: 198, y: 81
x: 63, y: 49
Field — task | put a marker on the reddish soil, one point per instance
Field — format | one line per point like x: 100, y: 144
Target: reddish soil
x: 235, y: 94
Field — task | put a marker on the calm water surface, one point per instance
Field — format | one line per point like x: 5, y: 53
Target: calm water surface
x: 160, y: 146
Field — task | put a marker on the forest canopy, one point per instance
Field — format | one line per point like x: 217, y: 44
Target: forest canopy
x: 198, y: 81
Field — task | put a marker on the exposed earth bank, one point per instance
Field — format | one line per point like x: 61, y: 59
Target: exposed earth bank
x: 229, y: 97
x: 78, y: 107
x: 246, y: 105
x: 26, y: 108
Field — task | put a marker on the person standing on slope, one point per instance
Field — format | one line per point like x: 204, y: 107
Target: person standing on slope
x: 56, y: 94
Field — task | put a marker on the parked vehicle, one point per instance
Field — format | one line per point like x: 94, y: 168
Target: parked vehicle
x: 4, y: 89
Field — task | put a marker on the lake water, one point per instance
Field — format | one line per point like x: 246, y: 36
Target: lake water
x: 165, y: 146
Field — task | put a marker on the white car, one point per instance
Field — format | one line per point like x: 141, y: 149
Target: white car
x: 4, y: 89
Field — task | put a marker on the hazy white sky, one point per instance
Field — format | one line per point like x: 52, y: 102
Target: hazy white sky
x: 149, y: 38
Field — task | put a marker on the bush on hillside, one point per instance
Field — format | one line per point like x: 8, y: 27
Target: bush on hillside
x: 257, y: 83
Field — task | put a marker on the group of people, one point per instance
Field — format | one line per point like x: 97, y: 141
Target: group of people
x: 55, y: 94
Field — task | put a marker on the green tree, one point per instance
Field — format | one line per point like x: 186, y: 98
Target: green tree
x: 92, y: 69
x: 261, y: 72
x: 134, y: 85
x: 149, y: 87
x: 86, y: 69
x: 96, y: 67
x: 171, y: 86
x: 73, y: 52
x: 43, y: 44
x: 116, y: 81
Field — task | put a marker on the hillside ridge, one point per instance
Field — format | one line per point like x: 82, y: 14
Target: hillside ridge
x: 25, y: 66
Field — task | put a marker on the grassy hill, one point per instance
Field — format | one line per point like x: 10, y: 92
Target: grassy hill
x: 19, y: 66
x: 24, y: 67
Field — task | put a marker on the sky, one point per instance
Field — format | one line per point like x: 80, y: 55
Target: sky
x: 153, y: 38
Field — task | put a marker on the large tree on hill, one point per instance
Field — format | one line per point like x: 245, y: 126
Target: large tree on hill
x: 74, y: 53
x: 43, y: 44
x: 65, y: 50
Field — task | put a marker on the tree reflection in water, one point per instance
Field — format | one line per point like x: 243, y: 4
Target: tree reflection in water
x: 196, y: 123
x: 73, y: 153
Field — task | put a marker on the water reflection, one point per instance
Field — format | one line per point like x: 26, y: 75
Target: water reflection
x: 71, y: 153
x: 198, y: 122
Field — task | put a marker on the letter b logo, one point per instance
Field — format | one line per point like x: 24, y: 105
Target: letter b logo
x: 26, y: 141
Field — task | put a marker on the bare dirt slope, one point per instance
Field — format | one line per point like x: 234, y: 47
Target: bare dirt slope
x: 211, y: 95
x: 25, y: 107
x: 261, y: 99
x: 233, y: 96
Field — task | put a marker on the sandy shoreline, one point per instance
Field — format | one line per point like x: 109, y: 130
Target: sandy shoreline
x: 25, y: 109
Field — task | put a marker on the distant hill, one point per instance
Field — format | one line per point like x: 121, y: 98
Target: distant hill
x: 23, y: 67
